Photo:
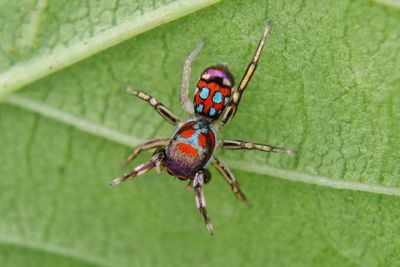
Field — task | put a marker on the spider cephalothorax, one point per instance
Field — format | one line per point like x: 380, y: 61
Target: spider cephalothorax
x: 190, y: 150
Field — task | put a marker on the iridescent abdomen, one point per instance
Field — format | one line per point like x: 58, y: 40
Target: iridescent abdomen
x: 212, y: 93
x: 190, y: 149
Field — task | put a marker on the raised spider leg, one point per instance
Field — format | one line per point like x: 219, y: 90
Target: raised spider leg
x: 149, y: 144
x: 238, y: 144
x: 141, y: 169
x: 230, y: 178
x: 158, y: 106
x: 230, y: 110
x: 186, y: 103
x: 198, y: 182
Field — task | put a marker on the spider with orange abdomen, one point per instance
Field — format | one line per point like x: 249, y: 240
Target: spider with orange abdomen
x: 190, y: 150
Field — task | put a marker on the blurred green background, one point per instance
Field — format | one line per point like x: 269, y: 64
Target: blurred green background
x: 327, y: 84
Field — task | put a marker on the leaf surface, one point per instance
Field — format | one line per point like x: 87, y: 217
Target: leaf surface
x: 327, y: 84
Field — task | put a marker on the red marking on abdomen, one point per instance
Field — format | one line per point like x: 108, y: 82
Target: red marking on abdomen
x: 187, y: 133
x: 202, y: 140
x: 188, y: 149
x: 208, y: 102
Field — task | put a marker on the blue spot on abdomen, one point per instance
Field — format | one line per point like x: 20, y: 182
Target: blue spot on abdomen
x: 204, y: 93
x: 199, y: 108
x: 212, y: 111
x: 217, y: 98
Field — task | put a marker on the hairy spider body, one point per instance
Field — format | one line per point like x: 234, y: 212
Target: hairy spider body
x: 191, y: 149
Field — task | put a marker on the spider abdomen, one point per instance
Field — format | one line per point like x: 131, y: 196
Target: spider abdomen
x: 212, y: 93
x: 190, y: 149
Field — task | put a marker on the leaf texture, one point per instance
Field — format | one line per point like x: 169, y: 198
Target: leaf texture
x: 327, y: 84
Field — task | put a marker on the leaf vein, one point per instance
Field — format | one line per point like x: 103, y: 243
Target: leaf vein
x: 125, y: 139
x: 26, y: 72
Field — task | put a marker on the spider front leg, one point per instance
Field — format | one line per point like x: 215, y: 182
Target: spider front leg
x: 198, y: 181
x: 149, y: 144
x: 157, y: 105
x: 238, y: 144
x: 233, y: 105
x: 186, y: 103
x: 230, y: 178
x: 141, y: 169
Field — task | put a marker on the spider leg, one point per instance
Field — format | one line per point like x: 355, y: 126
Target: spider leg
x: 238, y: 144
x: 158, y: 106
x: 230, y: 178
x: 206, y: 180
x: 198, y: 182
x: 187, y: 105
x: 141, y: 169
x: 149, y: 144
x: 230, y: 110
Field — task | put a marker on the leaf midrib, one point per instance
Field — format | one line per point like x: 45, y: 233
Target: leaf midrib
x: 26, y: 72
x: 131, y: 141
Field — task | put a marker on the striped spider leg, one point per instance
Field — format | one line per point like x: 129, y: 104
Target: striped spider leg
x: 238, y: 144
x: 230, y: 179
x: 162, y: 110
x: 198, y: 181
x: 233, y: 105
x: 149, y: 144
x: 141, y: 169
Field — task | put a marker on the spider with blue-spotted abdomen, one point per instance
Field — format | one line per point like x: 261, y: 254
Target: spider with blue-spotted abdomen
x: 188, y: 152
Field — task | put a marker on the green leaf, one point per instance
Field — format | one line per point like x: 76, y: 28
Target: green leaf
x: 327, y: 84
x: 56, y: 35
